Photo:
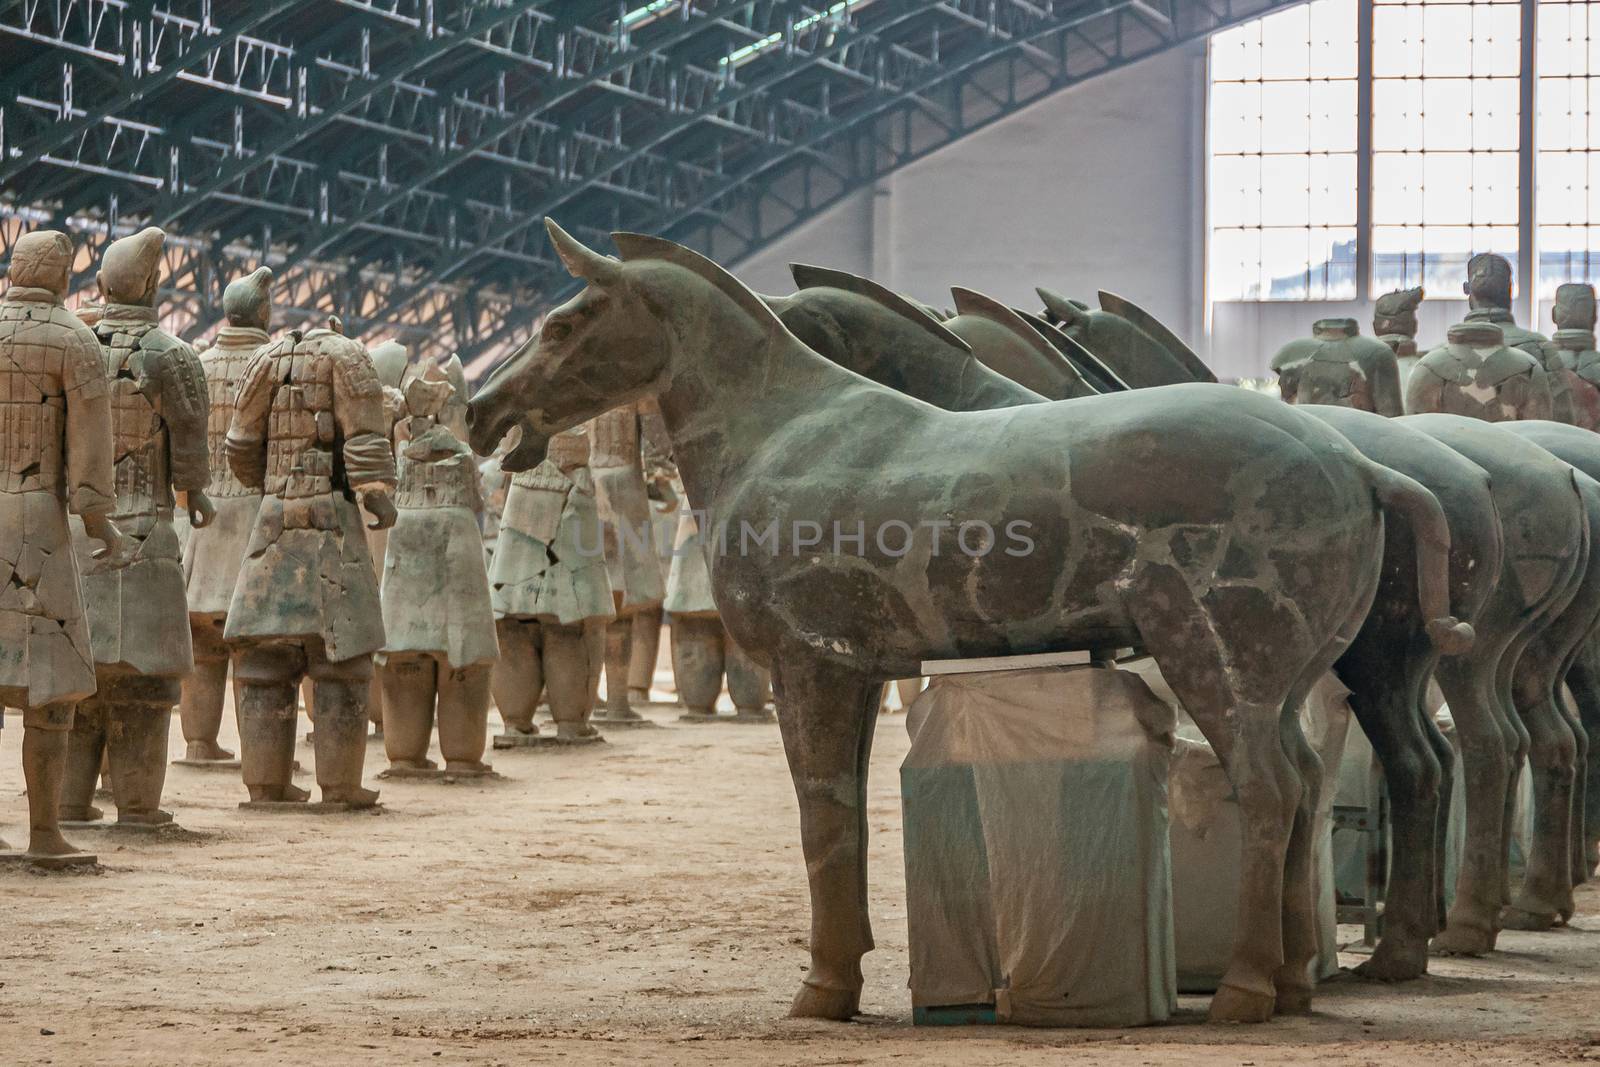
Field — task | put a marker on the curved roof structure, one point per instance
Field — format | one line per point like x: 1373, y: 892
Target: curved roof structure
x: 392, y: 159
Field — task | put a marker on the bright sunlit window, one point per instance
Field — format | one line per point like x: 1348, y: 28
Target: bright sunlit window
x: 1449, y: 146
x: 1283, y: 156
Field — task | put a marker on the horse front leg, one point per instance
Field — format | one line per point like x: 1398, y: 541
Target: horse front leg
x: 826, y: 714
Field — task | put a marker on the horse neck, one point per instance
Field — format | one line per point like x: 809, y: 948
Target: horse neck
x: 733, y: 386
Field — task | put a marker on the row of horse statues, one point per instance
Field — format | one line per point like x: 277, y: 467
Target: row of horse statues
x: 1247, y: 545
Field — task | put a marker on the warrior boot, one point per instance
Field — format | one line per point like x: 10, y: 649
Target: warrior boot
x: 518, y: 676
x: 698, y: 659
x: 86, y: 749
x: 266, y: 741
x: 642, y: 660
x: 409, y: 688
x: 571, y: 655
x: 464, y: 717
x: 341, y: 742
x: 205, y: 690
x: 136, y: 737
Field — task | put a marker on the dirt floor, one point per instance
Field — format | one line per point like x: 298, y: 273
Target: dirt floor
x: 639, y: 902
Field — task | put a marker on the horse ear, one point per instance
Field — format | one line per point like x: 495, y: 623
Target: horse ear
x: 580, y: 261
x: 1065, y: 311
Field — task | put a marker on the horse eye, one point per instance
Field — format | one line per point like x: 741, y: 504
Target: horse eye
x: 557, y: 330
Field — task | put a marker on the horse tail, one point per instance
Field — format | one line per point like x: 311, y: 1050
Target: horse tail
x: 1406, y: 496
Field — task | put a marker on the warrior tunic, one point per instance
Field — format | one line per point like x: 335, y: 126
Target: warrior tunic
x: 615, y: 458
x: 548, y: 562
x: 309, y: 429
x: 435, y: 587
x: 214, y: 555
x: 138, y: 616
x: 55, y: 448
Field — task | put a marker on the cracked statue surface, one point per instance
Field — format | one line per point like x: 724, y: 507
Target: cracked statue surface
x: 1244, y: 558
x: 309, y: 429
x: 138, y: 616
x: 55, y: 452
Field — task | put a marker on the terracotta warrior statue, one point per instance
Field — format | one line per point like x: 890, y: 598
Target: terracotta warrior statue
x: 1570, y: 356
x: 617, y: 439
x: 55, y: 452
x: 663, y: 496
x: 1475, y: 374
x: 138, y: 617
x: 1488, y: 289
x: 213, y: 556
x: 1337, y: 366
x: 1394, y: 321
x: 702, y: 648
x: 390, y: 359
x: 437, y: 619
x: 309, y: 430
x: 552, y: 600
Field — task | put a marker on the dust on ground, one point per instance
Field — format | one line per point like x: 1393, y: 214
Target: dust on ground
x: 638, y: 902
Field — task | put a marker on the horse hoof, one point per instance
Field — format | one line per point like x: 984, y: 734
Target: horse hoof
x: 1395, y: 966
x: 1534, y: 917
x: 1459, y: 940
x: 1292, y: 1002
x: 1231, y: 1004
x: 815, y: 1002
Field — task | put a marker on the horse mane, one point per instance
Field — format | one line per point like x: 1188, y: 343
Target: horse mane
x: 971, y: 302
x: 807, y: 276
x: 1158, y: 332
x: 642, y: 246
x: 1088, y: 366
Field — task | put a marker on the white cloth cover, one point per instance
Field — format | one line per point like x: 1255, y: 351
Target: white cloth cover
x: 1037, y: 873
x: 1207, y: 836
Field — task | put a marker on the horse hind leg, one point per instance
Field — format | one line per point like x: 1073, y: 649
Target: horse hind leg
x: 1545, y: 897
x: 826, y: 715
x: 1244, y: 731
x: 1583, y: 680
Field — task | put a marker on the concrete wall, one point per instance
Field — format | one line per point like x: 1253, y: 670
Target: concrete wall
x: 1096, y: 187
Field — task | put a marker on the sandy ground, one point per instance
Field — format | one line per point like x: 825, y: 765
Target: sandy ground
x: 638, y: 902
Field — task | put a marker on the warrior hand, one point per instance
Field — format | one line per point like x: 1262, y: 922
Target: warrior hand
x: 102, y: 529
x: 381, y: 508
x: 200, y: 508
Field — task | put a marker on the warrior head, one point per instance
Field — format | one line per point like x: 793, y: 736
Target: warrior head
x: 247, y: 301
x: 131, y: 269
x: 42, y: 260
x: 389, y: 359
x: 1488, y: 283
x: 1396, y: 313
x: 1575, y: 306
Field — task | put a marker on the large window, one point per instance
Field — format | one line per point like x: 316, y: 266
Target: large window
x: 1444, y: 138
x: 1283, y: 156
x: 1568, y: 136
x: 1359, y: 146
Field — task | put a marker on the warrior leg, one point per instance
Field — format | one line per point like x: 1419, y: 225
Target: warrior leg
x: 646, y: 647
x: 464, y: 716
x: 138, y: 724
x: 748, y: 684
x: 205, y: 691
x: 410, y: 685
x: 572, y: 657
x: 618, y: 651
x: 698, y: 658
x: 45, y: 744
x: 268, y: 675
x: 86, y: 747
x: 518, y: 675
x: 341, y: 739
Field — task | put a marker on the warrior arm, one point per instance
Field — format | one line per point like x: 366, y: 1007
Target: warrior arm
x: 91, y: 473
x: 1424, y: 390
x: 181, y: 399
x: 247, y: 435
x: 358, y: 409
x: 1541, y: 401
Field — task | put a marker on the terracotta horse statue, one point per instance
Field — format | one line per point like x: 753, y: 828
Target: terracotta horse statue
x: 1234, y: 538
x: 867, y: 328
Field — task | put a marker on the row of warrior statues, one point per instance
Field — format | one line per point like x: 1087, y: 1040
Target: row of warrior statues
x: 1488, y: 367
x: 306, y: 512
